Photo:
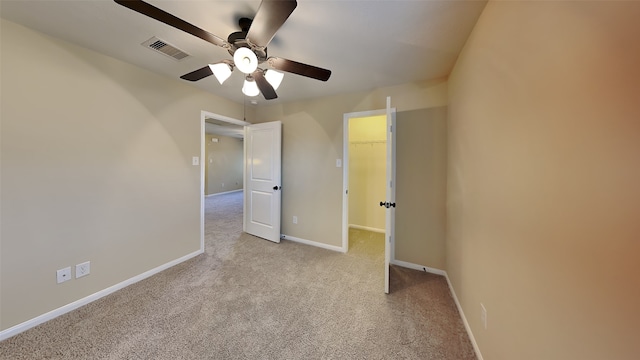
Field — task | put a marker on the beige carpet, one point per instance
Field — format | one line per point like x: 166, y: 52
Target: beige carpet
x: 247, y: 298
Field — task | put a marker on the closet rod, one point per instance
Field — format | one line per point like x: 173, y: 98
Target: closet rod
x: 368, y: 142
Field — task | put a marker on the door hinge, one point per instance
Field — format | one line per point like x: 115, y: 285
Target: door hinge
x: 390, y: 128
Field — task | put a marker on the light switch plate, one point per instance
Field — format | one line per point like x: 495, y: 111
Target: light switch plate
x: 195, y: 160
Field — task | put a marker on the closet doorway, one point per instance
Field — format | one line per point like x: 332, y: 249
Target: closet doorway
x: 366, y: 166
x: 363, y: 137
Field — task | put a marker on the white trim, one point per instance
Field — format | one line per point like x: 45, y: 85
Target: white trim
x: 367, y: 228
x: 244, y: 182
x: 345, y: 183
x: 210, y: 115
x: 203, y: 116
x: 464, y: 319
x: 15, y: 330
x: 312, y: 243
x: 223, y: 193
x: 413, y: 266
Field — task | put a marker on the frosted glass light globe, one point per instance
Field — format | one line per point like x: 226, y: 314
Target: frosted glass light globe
x: 274, y: 78
x: 222, y: 71
x: 250, y: 88
x: 245, y: 60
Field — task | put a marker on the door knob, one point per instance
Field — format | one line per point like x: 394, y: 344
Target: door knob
x: 277, y: 187
x: 382, y: 203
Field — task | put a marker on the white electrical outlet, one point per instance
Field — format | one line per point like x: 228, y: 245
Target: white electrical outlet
x: 63, y: 275
x: 83, y: 269
x: 295, y: 219
x: 222, y: 184
x: 483, y: 315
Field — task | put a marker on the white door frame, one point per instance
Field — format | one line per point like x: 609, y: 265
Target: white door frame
x: 345, y: 173
x: 204, y: 115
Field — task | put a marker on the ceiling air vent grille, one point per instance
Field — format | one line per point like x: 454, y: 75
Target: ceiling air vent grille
x: 166, y: 49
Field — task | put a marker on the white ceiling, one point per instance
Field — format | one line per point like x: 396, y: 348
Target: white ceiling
x: 367, y: 44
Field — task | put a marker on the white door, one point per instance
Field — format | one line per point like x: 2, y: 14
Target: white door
x: 262, y: 181
x: 390, y: 201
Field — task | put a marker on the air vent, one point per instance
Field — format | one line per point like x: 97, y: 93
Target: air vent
x: 166, y: 49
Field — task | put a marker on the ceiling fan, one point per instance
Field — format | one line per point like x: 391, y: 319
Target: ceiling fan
x: 247, y: 46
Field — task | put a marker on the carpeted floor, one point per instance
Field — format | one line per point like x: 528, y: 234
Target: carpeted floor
x: 247, y: 298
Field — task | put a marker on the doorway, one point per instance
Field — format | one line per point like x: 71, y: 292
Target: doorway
x: 215, y: 126
x: 388, y: 201
x: 366, y: 166
x: 261, y: 166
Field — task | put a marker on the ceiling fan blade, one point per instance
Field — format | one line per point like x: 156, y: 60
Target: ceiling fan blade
x: 198, y: 74
x: 295, y: 67
x: 269, y: 18
x: 265, y: 88
x: 171, y: 20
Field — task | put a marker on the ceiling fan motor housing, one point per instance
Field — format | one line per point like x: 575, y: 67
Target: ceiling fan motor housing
x: 238, y: 39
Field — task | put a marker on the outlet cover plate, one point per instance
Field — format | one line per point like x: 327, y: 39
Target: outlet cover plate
x: 83, y: 269
x: 63, y: 275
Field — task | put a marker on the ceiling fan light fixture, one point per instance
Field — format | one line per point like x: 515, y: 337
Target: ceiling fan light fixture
x: 250, y: 88
x: 222, y: 71
x: 245, y: 60
x: 274, y: 78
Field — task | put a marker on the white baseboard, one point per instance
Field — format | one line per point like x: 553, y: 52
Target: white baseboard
x: 367, y: 228
x: 409, y: 265
x: 464, y: 319
x: 312, y: 243
x: 15, y: 330
x: 223, y: 193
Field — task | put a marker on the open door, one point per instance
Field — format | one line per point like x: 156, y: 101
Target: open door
x: 262, y: 172
x: 390, y: 201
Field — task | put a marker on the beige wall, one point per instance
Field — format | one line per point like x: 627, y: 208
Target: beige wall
x: 96, y: 166
x: 313, y: 140
x: 367, y: 171
x: 114, y: 144
x: 421, y: 168
x: 543, y: 180
x: 223, y: 164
